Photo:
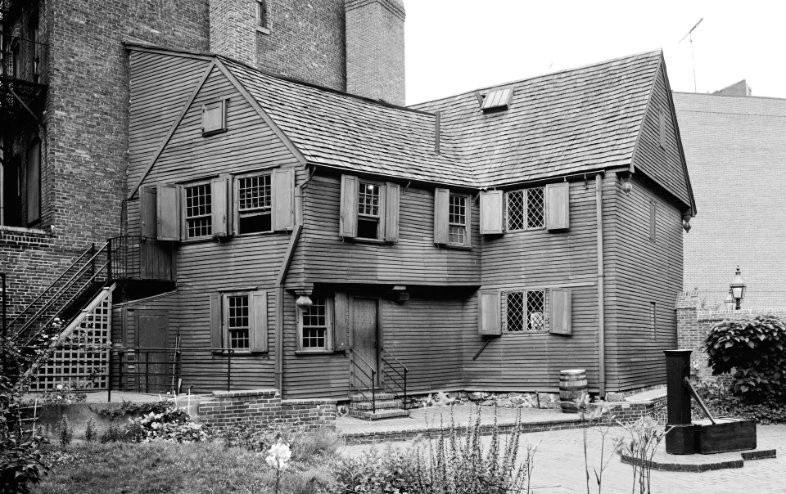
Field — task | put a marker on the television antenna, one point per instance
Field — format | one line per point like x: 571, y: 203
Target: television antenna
x: 692, y: 54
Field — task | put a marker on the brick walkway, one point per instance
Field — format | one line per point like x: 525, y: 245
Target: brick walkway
x: 559, y: 466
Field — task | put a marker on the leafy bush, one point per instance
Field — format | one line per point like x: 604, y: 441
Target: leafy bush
x: 753, y: 351
x: 65, y: 433
x: 456, y: 464
x: 90, y: 431
x: 64, y: 394
x: 722, y: 403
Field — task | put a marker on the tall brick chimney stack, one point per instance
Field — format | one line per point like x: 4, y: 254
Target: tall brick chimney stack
x: 233, y: 30
x: 375, y: 49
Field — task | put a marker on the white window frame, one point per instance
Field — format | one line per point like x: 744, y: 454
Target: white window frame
x: 238, y: 213
x: 328, y: 326
x: 185, y: 218
x: 370, y: 216
x: 525, y: 210
x: 225, y: 320
x: 464, y: 225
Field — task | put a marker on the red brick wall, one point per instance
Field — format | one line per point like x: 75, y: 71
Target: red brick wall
x: 265, y: 407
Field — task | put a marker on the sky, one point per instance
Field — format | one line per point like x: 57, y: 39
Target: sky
x: 454, y: 46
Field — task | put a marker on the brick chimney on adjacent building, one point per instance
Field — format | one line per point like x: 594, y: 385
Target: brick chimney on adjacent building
x: 375, y: 49
x: 740, y: 88
x: 233, y: 30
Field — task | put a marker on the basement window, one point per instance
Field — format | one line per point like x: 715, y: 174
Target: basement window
x: 525, y: 209
x: 524, y: 311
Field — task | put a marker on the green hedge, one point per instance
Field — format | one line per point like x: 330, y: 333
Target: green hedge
x: 751, y: 349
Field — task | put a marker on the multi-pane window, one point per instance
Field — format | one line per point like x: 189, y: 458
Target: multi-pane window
x: 315, y: 325
x: 198, y: 211
x: 525, y: 311
x: 525, y: 209
x: 254, y: 204
x: 237, y: 322
x: 457, y: 219
x: 368, y: 210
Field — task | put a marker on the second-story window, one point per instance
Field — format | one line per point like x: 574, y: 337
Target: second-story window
x: 253, y: 204
x: 368, y: 210
x: 198, y: 211
x: 525, y: 209
x: 457, y: 219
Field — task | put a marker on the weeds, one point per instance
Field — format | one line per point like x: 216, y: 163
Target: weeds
x: 90, y: 431
x: 644, y: 436
x: 65, y: 433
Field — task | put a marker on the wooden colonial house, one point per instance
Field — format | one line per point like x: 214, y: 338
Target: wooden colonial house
x: 484, y: 241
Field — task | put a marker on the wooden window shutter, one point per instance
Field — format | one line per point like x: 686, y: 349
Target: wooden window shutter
x: 491, y: 212
x: 168, y: 212
x: 258, y: 328
x: 393, y: 193
x: 147, y: 212
x: 283, y: 192
x: 558, y: 206
x: 348, y: 220
x: 219, y: 204
x: 441, y: 215
x: 560, y: 317
x: 341, y: 321
x: 488, y: 314
x: 216, y: 322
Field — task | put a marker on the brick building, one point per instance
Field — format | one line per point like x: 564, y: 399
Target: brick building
x: 65, y: 98
x: 735, y: 145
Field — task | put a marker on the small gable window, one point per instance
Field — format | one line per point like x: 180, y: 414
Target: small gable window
x: 253, y: 195
x: 525, y: 209
x: 214, y: 118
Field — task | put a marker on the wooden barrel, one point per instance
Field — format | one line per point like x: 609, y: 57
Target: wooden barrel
x: 572, y: 389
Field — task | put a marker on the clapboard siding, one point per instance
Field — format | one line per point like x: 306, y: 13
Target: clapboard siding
x: 639, y: 272
x: 414, y: 259
x: 159, y: 88
x: 662, y: 163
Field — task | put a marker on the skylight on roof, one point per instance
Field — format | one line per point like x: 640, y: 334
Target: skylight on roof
x: 497, y: 99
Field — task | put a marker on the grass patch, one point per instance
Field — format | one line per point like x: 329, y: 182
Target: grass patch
x: 169, y: 467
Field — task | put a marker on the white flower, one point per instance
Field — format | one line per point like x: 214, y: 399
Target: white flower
x: 59, y: 387
x: 278, y: 456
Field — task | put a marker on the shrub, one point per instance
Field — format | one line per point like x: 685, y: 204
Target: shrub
x: 90, y: 431
x: 114, y: 433
x: 65, y: 433
x: 722, y: 403
x: 753, y: 351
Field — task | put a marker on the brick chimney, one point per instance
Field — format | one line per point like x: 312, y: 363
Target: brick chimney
x: 740, y: 88
x: 233, y: 29
x: 375, y: 49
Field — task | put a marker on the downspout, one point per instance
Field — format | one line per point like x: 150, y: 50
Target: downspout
x: 601, y: 297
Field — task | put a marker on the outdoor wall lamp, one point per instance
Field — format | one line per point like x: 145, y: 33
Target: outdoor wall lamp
x: 627, y: 185
x: 737, y: 288
x: 729, y: 302
x: 304, y: 302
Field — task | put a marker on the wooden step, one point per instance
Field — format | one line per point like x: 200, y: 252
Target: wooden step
x: 380, y: 396
x: 389, y: 413
x: 380, y: 404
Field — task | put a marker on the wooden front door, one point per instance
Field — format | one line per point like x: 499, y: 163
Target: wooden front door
x: 365, y: 341
x: 151, y: 359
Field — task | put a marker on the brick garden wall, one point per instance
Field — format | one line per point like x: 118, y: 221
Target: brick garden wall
x: 265, y: 406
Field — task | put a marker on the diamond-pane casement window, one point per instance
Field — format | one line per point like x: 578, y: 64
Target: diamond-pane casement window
x: 368, y: 210
x: 315, y: 324
x: 457, y: 220
x: 254, y: 204
x: 238, y: 327
x: 535, y: 202
x: 198, y: 211
x: 514, y: 309
x: 536, y: 310
x: 516, y: 210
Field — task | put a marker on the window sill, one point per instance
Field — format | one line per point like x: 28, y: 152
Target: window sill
x: 317, y: 352
x: 24, y: 229
x: 372, y: 241
x: 237, y: 353
x: 213, y: 132
x: 263, y: 30
x: 454, y: 246
x: 540, y: 228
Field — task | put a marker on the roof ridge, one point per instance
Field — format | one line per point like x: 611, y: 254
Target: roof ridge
x: 540, y: 76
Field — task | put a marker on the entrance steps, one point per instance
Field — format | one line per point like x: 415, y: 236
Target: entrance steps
x: 385, y: 406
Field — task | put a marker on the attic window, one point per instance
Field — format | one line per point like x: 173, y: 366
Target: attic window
x: 497, y: 100
x: 214, y: 118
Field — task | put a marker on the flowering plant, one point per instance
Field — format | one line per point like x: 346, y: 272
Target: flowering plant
x: 278, y: 458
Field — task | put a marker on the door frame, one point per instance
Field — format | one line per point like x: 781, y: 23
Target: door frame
x: 137, y: 314
x: 378, y: 323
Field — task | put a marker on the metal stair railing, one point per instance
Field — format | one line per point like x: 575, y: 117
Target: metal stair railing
x: 94, y: 272
x: 371, y: 374
x: 395, y: 372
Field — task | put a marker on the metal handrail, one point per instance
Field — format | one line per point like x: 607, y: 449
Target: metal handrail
x: 89, y: 264
x: 392, y: 378
x: 373, y: 378
x: 51, y: 285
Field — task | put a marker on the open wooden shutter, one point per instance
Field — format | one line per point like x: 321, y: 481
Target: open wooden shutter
x: 558, y: 206
x: 393, y: 195
x: 488, y: 314
x: 258, y: 330
x: 441, y: 215
x: 341, y: 321
x: 283, y: 185
x: 216, y: 322
x: 147, y: 212
x: 168, y: 212
x: 219, y: 199
x: 348, y: 221
x: 491, y: 212
x: 560, y: 314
